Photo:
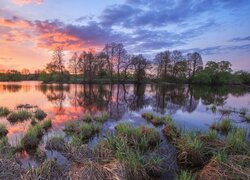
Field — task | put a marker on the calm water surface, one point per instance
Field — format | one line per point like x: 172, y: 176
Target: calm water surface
x: 190, y: 106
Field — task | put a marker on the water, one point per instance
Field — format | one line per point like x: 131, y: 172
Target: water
x: 190, y: 106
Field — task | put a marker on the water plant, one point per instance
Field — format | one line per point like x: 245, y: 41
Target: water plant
x: 213, y: 108
x: 185, y: 175
x: 19, y: 116
x: 236, y: 141
x: 32, y: 138
x: 33, y: 121
x: 87, y: 118
x: 223, y: 126
x: 47, y: 124
x: 3, y: 130
x: 87, y: 130
x: 4, y: 111
x: 103, y: 117
x: 40, y: 114
x: 156, y: 120
x: 243, y: 111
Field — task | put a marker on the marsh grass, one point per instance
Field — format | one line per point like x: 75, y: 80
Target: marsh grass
x: 243, y: 111
x: 3, y: 130
x: 87, y: 118
x: 4, y: 111
x: 19, y: 116
x: 214, y: 108
x: 141, y: 137
x: 47, y: 124
x: 236, y: 141
x: 247, y: 118
x: 223, y: 126
x: 32, y: 138
x: 33, y: 122
x: 103, y: 117
x: 87, y: 130
x: 170, y: 131
x: 212, y: 134
x: 56, y: 143
x: 156, y: 120
x: 185, y: 175
x: 71, y: 127
x: 40, y: 114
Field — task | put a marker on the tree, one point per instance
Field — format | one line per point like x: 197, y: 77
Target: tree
x: 162, y: 60
x: 180, y: 69
x: 175, y: 57
x: 195, y: 63
x: 57, y: 63
x: 25, y: 71
x: 140, y: 65
x: 73, y: 64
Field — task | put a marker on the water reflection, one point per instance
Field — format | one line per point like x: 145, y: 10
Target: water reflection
x: 69, y: 102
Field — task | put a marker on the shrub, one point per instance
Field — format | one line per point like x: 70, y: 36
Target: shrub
x: 47, y: 124
x: 103, y: 117
x: 40, y: 114
x: 4, y: 111
x: 3, y: 131
x: 19, y: 116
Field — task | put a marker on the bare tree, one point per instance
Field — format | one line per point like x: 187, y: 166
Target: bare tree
x: 195, y: 63
x: 162, y: 60
x: 73, y: 64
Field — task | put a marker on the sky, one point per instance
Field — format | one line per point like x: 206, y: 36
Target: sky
x: 31, y: 29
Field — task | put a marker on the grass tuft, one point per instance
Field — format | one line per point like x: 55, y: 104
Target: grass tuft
x: 3, y: 130
x: 4, y: 111
x: 32, y: 138
x: 103, y: 117
x: 87, y: 118
x: 224, y: 126
x: 47, y: 124
x: 19, y: 116
x: 186, y: 175
x: 40, y: 114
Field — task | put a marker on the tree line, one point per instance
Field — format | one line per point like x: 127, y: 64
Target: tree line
x: 115, y: 64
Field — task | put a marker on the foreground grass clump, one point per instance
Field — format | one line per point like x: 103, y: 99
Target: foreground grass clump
x: 170, y: 130
x: 236, y: 142
x: 4, y: 111
x: 47, y: 124
x: 137, y: 149
x: 103, y: 117
x: 32, y: 138
x: 142, y: 137
x: 3, y: 131
x: 224, y: 126
x: 40, y: 114
x: 224, y: 166
x: 71, y: 127
x: 191, y: 150
x: 19, y: 116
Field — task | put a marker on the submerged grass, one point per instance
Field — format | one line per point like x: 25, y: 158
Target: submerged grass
x: 4, y: 111
x: 19, y: 116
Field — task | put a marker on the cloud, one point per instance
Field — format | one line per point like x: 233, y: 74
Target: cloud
x: 238, y: 39
x: 15, y: 22
x: 24, y: 2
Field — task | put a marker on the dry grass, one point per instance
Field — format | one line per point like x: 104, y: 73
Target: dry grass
x: 9, y: 170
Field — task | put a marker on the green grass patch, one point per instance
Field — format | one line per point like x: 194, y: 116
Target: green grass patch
x: 224, y: 126
x: 32, y: 138
x: 40, y: 114
x: 103, y: 117
x: 3, y: 130
x: 156, y: 120
x: 87, y: 130
x: 4, y: 111
x: 87, y: 118
x: 47, y: 124
x: 19, y: 116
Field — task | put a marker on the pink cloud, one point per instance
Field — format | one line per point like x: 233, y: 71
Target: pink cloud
x: 23, y: 2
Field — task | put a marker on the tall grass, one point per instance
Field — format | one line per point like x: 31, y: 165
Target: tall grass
x: 32, y: 137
